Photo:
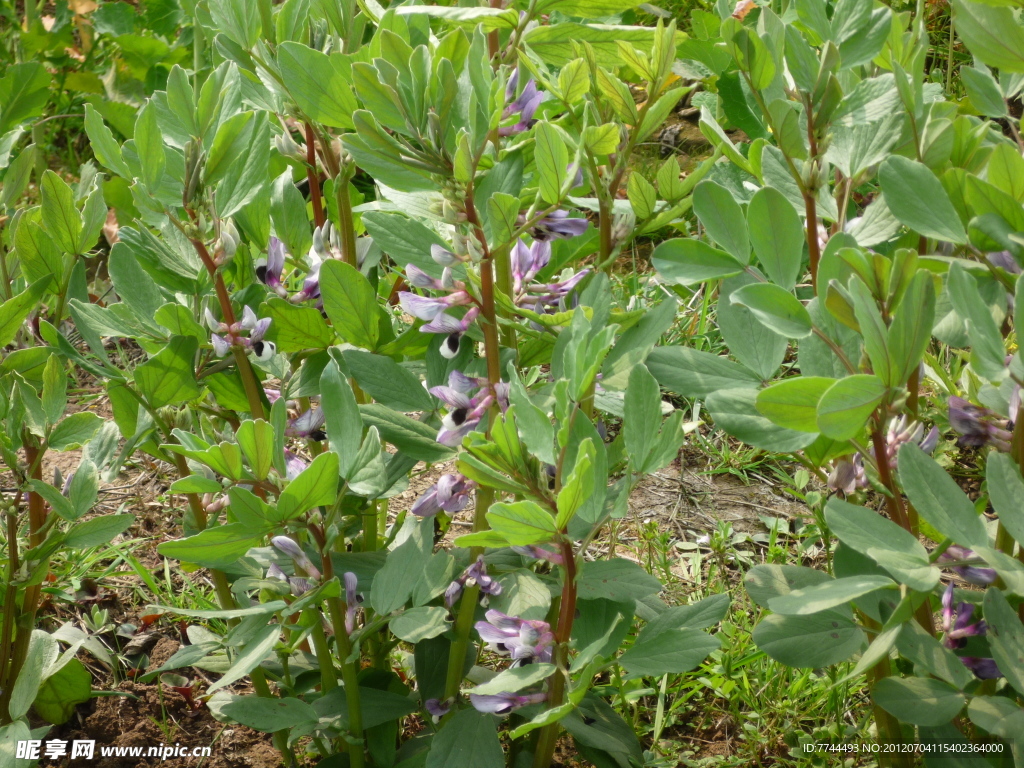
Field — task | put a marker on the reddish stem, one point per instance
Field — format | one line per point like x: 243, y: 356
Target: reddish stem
x: 314, y: 177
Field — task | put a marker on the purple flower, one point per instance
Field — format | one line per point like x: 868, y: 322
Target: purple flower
x: 269, y: 270
x: 558, y: 225
x: 503, y: 703
x: 225, y: 336
x: 525, y: 106
x: 978, y: 426
x: 308, y: 424
x: 957, y: 627
x: 848, y: 473
x: 464, y: 411
x: 294, y: 551
x: 453, y: 327
x: 351, y: 601
x: 539, y: 553
x: 450, y: 493
x: 524, y: 640
x: 437, y: 708
x: 1004, y: 260
x: 443, y: 256
x: 980, y: 576
x: 294, y: 465
x: 274, y: 572
x: 299, y: 586
x: 474, y: 575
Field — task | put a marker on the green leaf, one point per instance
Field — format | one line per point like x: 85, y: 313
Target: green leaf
x: 133, y: 284
x: 350, y: 303
x: 195, y: 484
x: 294, y: 329
x: 844, y: 409
x: 670, y: 652
x: 253, y: 654
x: 692, y: 373
x: 723, y: 219
x: 515, y: 679
x: 55, y: 389
x: 688, y: 261
x: 579, y: 486
x: 239, y: 20
x: 99, y: 530
x: 169, y: 378
x: 991, y: 33
x: 42, y: 652
x: 316, y: 485
x: 617, y: 580
x: 809, y: 642
x: 755, y: 346
x: 793, y: 403
x: 387, y: 382
x: 918, y: 700
x: 552, y: 159
x: 777, y: 236
x: 318, y: 84
x: 413, y: 438
x: 1006, y: 489
x: 896, y: 550
x: 61, y: 218
x: 927, y: 653
x: 734, y: 411
x: 534, y: 424
x: 269, y: 714
x: 341, y: 417
x: 998, y: 715
x: 62, y: 691
x: 256, y: 439
x: 418, y: 624
x: 642, y: 415
x: 776, y: 308
x: 917, y: 198
x: 828, y: 594
x: 215, y: 547
x: 74, y: 431
x: 983, y: 91
x: 395, y: 583
x: 149, y: 144
x: 1005, y: 637
x: 763, y: 582
x: 24, y: 91
x: 522, y: 523
x: 469, y: 738
x: 938, y: 499
x: 988, y: 352
x: 405, y: 240
x: 911, y: 328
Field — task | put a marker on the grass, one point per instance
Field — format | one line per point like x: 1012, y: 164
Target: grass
x: 740, y: 707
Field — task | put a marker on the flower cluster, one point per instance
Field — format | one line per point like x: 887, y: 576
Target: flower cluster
x: 527, y: 261
x: 957, y: 627
x: 979, y: 426
x: 288, y: 547
x: 848, y: 473
x: 474, y: 575
x: 449, y: 494
x: 326, y: 245
x: 467, y: 399
x: 435, y: 310
x: 961, y: 556
x: 299, y: 586
x: 525, y: 640
x: 224, y: 336
x: 540, y: 553
x: 524, y: 106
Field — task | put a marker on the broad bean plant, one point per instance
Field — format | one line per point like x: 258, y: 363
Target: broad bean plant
x: 905, y: 210
x: 354, y: 247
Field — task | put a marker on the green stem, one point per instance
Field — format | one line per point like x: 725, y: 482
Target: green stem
x: 25, y: 620
x: 346, y: 223
x: 328, y: 677
x: 349, y: 672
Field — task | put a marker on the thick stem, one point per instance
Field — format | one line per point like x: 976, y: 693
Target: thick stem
x: 888, y: 726
x: 346, y: 225
x: 245, y: 370
x: 813, y: 246
x: 314, y: 177
x: 467, y: 606
x: 10, y: 607
x: 25, y: 620
x: 349, y: 672
x: 897, y: 511
x: 604, y: 225
x: 545, y: 751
